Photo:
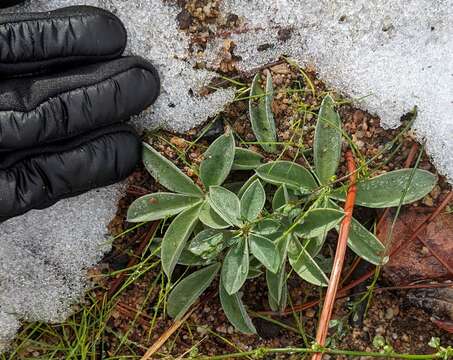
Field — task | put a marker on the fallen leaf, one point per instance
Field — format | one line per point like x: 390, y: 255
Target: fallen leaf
x: 415, y: 261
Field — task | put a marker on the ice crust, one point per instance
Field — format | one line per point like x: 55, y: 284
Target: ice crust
x: 44, y: 254
x: 393, y: 54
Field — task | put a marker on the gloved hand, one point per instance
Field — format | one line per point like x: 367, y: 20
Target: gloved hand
x: 65, y: 94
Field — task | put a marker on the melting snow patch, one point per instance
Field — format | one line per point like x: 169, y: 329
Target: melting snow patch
x: 393, y: 55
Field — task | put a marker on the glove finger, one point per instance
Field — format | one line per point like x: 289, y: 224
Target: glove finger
x: 39, y: 110
x: 36, y: 42
x: 8, y: 3
x: 36, y: 181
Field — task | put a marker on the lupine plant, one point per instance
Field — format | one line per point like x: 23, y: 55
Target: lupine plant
x: 280, y: 215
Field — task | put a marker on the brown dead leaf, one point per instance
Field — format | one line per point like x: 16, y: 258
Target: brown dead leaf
x: 428, y: 257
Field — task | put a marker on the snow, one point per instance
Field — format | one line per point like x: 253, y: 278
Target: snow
x: 391, y: 54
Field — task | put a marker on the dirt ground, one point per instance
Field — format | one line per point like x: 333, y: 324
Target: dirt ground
x: 405, y: 327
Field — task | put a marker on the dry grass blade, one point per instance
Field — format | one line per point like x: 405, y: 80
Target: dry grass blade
x: 340, y: 253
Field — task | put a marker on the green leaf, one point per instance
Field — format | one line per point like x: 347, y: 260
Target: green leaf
x: 245, y: 159
x: 252, y: 201
x: 276, y: 283
x: 176, y: 236
x: 327, y: 141
x: 276, y: 286
x: 188, y: 258
x: 226, y: 204
x: 207, y: 244
x: 291, y: 174
x: 283, y: 196
x: 159, y: 206
x: 304, y: 265
x: 314, y: 245
x: 235, y: 311
x: 364, y: 243
x: 281, y: 306
x: 236, y: 267
x: 218, y: 160
x: 189, y: 290
x: 318, y: 222
x: 254, y: 269
x: 265, y: 251
x: 234, y: 186
x: 261, y: 116
x: 245, y: 186
x: 167, y: 174
x: 386, y: 190
x: 266, y: 227
x: 210, y: 218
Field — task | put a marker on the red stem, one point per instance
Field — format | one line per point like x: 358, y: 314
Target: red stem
x: 334, y: 281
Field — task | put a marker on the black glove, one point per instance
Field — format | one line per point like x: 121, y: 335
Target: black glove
x: 8, y: 3
x: 64, y: 95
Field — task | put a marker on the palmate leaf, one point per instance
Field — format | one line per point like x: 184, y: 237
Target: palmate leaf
x: 276, y: 282
x: 189, y: 290
x: 235, y: 267
x: 388, y: 189
x: 279, y: 306
x: 261, y: 116
x: 245, y: 159
x: 188, y: 258
x: 327, y: 141
x: 235, y: 311
x: 255, y: 269
x: 207, y: 243
x: 318, y: 222
x: 364, y: 243
x: 245, y: 185
x: 288, y: 173
x: 210, y: 218
x: 167, y: 174
x: 304, y: 265
x: 283, y: 196
x: 218, y: 160
x: 159, y: 206
x: 226, y: 204
x: 266, y: 227
x: 176, y: 236
x: 265, y: 251
x: 314, y: 245
x: 276, y: 286
x: 252, y: 201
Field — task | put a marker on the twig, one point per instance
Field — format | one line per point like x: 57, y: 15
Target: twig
x: 338, y: 262
x: 166, y: 335
x: 175, y: 326
x: 116, y: 284
x: 446, y: 325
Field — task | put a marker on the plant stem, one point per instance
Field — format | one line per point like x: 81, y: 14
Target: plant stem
x: 338, y: 262
x: 259, y: 353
